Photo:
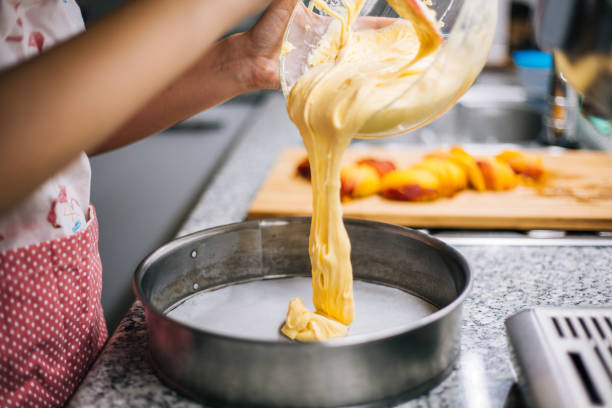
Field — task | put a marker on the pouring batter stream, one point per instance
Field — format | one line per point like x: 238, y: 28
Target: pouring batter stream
x: 353, y: 75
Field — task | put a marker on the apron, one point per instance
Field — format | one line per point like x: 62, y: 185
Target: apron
x: 51, y: 321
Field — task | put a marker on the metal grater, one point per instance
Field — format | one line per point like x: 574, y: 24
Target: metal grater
x: 563, y: 355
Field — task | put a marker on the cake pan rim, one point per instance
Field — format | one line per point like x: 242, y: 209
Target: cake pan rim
x: 456, y: 303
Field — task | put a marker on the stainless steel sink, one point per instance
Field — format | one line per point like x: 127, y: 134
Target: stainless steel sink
x: 493, y: 123
x: 498, y: 123
x: 498, y: 114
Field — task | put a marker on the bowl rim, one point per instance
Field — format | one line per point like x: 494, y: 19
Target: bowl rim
x: 426, y: 239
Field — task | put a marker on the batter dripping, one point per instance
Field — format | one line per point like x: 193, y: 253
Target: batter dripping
x: 353, y: 75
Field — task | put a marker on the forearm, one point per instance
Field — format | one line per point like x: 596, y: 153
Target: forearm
x: 235, y: 65
x: 71, y: 98
x: 222, y: 73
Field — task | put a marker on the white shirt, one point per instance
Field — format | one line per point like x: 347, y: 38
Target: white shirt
x: 60, y: 206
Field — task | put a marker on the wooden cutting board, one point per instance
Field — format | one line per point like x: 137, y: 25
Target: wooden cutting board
x: 577, y: 196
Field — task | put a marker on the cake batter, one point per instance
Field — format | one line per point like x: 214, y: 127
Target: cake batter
x: 352, y: 75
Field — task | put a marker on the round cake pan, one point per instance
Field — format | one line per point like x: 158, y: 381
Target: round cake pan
x: 372, y: 369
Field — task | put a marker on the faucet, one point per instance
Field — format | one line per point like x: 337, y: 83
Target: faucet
x: 579, y: 33
x: 561, y: 123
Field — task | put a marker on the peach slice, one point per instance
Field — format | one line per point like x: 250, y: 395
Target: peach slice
x: 452, y: 178
x: 438, y: 168
x: 458, y: 175
x: 358, y: 180
x: 498, y: 175
x: 464, y: 160
x: 410, y: 185
x: 523, y: 164
x: 381, y: 166
x: 468, y: 163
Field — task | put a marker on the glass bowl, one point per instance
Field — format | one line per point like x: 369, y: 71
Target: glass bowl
x: 468, y: 27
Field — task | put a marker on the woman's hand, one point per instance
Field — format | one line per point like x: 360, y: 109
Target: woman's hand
x: 264, y: 43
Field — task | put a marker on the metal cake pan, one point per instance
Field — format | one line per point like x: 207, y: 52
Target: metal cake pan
x: 376, y: 369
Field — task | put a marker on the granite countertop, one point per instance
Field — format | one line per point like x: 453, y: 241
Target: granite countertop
x: 506, y: 280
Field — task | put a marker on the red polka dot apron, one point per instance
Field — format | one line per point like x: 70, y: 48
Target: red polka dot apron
x: 51, y: 321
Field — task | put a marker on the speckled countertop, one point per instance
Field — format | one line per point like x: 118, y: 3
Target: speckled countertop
x: 506, y: 280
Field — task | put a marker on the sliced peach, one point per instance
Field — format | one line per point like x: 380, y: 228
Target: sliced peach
x: 359, y: 180
x: 440, y: 169
x: 508, y: 155
x: 381, y: 166
x: 459, y: 176
x: 526, y: 165
x: 410, y: 185
x: 466, y: 162
x: 469, y: 165
x: 498, y: 175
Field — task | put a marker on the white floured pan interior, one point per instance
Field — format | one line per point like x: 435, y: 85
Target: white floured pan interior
x: 256, y: 310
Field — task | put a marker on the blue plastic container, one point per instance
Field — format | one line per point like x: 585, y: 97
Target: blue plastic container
x: 534, y: 71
